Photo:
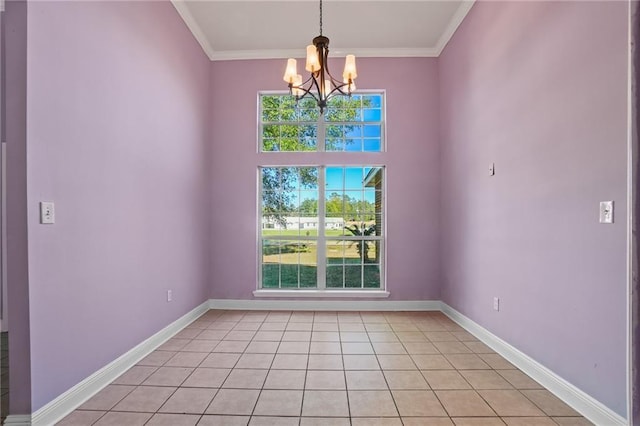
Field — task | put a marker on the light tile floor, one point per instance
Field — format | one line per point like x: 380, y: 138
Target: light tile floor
x: 323, y: 368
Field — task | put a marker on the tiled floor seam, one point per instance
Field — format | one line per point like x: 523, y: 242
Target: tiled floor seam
x: 401, y: 324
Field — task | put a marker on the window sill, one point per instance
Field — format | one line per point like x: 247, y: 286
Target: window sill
x: 321, y: 293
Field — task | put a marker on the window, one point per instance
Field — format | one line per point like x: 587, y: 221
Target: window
x: 349, y: 124
x: 321, y: 225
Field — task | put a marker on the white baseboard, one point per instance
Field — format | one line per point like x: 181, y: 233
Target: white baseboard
x: 586, y: 405
x: 19, y: 420
x: 74, y: 397
x: 326, y: 305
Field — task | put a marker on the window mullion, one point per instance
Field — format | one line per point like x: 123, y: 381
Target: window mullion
x: 321, y: 134
x: 322, y: 250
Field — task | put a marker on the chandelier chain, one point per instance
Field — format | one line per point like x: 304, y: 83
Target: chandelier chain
x: 320, y: 17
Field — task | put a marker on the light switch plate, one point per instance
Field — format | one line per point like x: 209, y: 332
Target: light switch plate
x: 47, y: 212
x: 492, y: 169
x: 606, y: 211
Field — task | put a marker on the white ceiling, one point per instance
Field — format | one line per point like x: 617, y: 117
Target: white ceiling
x: 258, y: 29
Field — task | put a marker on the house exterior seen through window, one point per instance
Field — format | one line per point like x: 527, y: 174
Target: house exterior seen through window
x: 321, y: 225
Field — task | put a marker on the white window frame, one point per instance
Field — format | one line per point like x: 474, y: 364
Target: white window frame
x: 321, y: 126
x: 360, y: 157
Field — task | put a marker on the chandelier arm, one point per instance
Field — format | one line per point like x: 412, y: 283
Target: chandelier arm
x: 334, y: 81
x: 307, y: 90
x: 339, y: 90
x: 314, y: 82
x: 337, y: 87
x: 306, y: 81
x: 337, y: 84
x: 309, y: 93
x: 301, y: 86
x: 326, y: 64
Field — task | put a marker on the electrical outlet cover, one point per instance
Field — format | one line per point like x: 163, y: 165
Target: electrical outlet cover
x: 47, y: 212
x: 606, y: 211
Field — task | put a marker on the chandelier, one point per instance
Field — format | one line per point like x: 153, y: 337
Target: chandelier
x: 320, y: 85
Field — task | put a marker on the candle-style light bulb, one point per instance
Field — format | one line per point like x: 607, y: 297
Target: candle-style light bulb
x: 350, y: 71
x: 291, y: 71
x: 313, y: 63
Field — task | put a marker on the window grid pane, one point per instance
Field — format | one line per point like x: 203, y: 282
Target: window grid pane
x: 349, y: 124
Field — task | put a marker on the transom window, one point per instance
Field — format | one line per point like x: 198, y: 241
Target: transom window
x: 349, y: 124
x: 321, y: 225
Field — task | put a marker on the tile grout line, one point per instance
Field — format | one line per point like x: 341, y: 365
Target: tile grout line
x: 260, y: 391
x: 395, y: 404
x: 399, y: 321
x: 225, y: 379
x: 304, y: 382
x: 344, y: 374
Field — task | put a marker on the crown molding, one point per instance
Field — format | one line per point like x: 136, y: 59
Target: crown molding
x: 393, y: 52
x: 454, y: 23
x: 193, y: 26
x: 238, y: 55
x: 400, y: 52
x: 234, y: 55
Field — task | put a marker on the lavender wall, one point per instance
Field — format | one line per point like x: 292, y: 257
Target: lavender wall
x: 118, y: 138
x: 412, y: 161
x: 15, y: 44
x: 122, y: 106
x: 540, y: 88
